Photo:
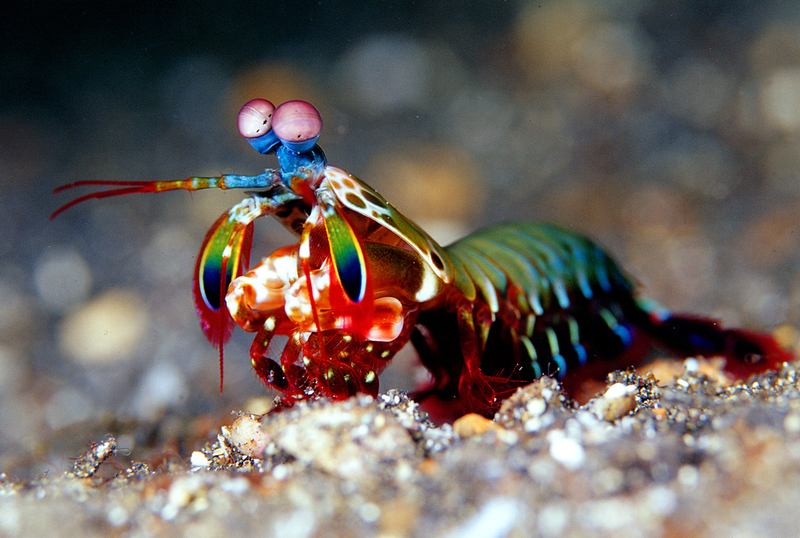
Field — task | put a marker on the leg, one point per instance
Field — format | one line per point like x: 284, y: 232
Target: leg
x: 474, y: 388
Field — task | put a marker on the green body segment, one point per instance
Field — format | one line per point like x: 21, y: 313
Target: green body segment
x: 538, y: 299
x: 544, y: 263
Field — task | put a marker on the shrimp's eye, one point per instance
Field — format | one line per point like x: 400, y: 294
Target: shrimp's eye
x: 255, y: 118
x: 297, y: 124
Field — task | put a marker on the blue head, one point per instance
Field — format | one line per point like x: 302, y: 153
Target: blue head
x: 290, y: 131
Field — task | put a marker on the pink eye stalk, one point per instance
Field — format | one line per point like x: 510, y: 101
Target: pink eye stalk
x: 297, y: 124
x: 255, y: 118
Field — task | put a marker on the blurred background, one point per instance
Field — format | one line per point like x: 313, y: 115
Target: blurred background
x: 668, y: 131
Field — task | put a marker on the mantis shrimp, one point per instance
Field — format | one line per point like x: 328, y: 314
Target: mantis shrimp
x: 487, y: 314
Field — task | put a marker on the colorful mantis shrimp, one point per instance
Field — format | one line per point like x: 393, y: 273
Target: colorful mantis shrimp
x: 487, y: 314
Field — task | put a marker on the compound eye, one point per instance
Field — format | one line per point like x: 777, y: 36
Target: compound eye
x: 297, y: 124
x: 255, y: 118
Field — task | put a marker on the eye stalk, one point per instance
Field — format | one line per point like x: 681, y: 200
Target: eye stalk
x: 297, y: 125
x: 255, y: 124
x: 255, y: 118
x: 290, y: 131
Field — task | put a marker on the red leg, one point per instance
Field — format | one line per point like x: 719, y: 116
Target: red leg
x: 474, y: 388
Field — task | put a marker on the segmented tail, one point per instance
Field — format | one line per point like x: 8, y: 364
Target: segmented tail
x: 747, y: 352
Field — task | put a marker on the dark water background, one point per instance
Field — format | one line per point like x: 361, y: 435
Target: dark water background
x: 668, y: 131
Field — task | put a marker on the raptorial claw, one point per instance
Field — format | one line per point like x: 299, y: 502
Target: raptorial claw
x: 217, y: 265
x: 253, y: 295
